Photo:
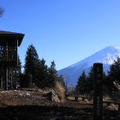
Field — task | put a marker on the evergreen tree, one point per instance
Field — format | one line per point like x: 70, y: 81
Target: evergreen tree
x: 52, y: 74
x: 42, y: 80
x: 89, y: 83
x: 14, y: 75
x: 90, y: 79
x: 113, y: 77
x: 114, y: 72
x: 81, y: 84
x: 37, y: 71
x: 32, y: 63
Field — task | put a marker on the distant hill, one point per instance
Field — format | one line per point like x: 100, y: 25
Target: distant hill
x: 105, y: 56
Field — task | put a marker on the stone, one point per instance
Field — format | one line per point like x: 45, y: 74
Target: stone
x: 52, y: 96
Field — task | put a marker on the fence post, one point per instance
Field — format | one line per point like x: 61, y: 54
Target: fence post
x: 98, y: 92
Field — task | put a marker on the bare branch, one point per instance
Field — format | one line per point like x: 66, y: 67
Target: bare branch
x: 1, y: 11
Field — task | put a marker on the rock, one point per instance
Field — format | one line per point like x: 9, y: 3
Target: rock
x: 52, y: 96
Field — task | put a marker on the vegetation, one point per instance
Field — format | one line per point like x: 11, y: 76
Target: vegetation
x: 37, y: 73
x: 14, y: 75
x: 89, y: 83
x: 113, y: 79
x: 32, y: 64
x: 110, y: 82
x: 81, y: 84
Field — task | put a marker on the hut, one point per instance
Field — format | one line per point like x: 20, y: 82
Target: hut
x: 9, y: 43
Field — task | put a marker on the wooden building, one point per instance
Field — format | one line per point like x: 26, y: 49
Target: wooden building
x: 9, y: 43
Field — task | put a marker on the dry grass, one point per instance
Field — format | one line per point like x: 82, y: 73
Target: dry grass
x: 17, y: 98
x: 112, y: 107
x: 106, y: 98
x: 60, y: 90
x: 71, y: 98
x: 32, y: 105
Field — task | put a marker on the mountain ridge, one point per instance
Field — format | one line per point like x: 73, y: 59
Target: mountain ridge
x: 105, y: 56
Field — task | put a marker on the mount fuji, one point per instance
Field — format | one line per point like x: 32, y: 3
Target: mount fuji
x: 105, y: 56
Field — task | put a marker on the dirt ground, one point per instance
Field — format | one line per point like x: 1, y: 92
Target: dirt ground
x: 31, y: 105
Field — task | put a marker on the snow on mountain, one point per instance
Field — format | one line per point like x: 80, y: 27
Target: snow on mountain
x: 105, y: 56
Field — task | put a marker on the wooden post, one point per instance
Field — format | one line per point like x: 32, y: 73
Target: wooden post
x: 118, y: 107
x: 76, y: 98
x: 98, y: 92
x: 17, y: 52
x: 6, y: 78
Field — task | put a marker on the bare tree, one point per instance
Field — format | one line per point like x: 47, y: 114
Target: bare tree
x: 1, y: 11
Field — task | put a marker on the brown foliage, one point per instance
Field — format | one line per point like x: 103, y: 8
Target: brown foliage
x: 60, y: 89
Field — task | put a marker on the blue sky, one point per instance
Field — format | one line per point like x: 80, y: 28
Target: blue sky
x: 65, y: 31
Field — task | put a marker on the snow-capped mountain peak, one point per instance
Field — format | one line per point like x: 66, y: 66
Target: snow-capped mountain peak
x: 105, y: 56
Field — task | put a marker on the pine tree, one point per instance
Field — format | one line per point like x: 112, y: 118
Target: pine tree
x: 81, y: 84
x: 14, y: 75
x: 52, y: 74
x: 114, y: 72
x: 113, y: 77
x: 32, y: 64
x: 37, y: 71
x: 89, y: 83
x: 42, y: 75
